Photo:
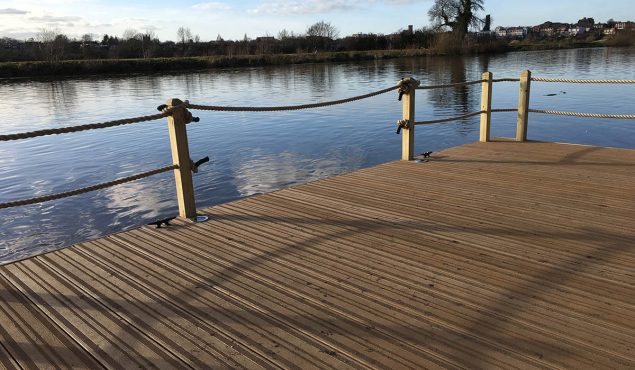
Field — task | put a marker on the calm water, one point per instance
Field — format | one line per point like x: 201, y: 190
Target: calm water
x: 259, y: 152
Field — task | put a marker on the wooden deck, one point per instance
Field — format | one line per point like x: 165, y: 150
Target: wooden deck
x: 491, y: 255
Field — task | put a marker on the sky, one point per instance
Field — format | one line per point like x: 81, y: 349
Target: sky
x: 22, y: 19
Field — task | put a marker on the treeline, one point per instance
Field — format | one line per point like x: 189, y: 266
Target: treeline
x: 58, y: 47
x: 154, y: 65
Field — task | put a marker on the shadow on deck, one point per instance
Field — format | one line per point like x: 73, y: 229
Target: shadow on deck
x: 490, y: 255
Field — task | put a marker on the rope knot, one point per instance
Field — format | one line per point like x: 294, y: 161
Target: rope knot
x: 402, y: 124
x: 173, y: 104
x: 407, y: 85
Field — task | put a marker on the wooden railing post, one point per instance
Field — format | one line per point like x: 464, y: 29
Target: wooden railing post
x: 486, y: 106
x: 181, y: 157
x: 408, y: 134
x: 523, y: 106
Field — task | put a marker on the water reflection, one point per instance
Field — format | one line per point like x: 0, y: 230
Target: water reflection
x: 143, y: 199
x: 261, y: 152
x: 268, y: 172
x: 62, y: 97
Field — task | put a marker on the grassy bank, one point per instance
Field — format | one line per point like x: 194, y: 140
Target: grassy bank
x: 114, y: 66
x: 442, y: 45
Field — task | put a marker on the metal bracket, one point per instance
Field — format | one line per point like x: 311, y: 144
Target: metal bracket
x: 402, y: 123
x: 197, y: 164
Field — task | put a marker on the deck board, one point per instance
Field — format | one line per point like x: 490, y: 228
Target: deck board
x: 491, y: 255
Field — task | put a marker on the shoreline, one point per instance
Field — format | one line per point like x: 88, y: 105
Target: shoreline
x: 40, y: 69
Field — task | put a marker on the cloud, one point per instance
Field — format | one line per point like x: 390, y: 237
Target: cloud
x: 304, y: 7
x: 12, y: 11
x: 54, y: 19
x: 212, y: 6
x: 286, y: 7
x: 401, y: 2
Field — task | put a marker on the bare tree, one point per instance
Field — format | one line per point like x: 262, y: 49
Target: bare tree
x: 284, y: 34
x: 87, y: 38
x: 149, y: 42
x: 458, y: 15
x: 322, y: 29
x: 52, y: 44
x: 130, y: 34
x: 183, y: 34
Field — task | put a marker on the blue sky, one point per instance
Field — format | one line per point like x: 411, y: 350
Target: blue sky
x: 233, y: 19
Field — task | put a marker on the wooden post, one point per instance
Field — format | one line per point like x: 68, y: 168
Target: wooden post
x: 408, y: 134
x: 523, y: 106
x: 181, y: 157
x: 486, y: 106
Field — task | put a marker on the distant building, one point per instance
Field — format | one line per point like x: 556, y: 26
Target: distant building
x: 486, y: 34
x: 551, y: 29
x: 609, y: 31
x: 511, y: 32
x: 577, y: 30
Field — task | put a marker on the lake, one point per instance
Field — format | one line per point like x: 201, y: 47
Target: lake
x: 254, y: 153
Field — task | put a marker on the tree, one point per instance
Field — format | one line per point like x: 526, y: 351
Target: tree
x: 322, y: 29
x: 284, y: 34
x: 458, y: 15
x: 183, y: 35
x: 87, y: 38
x: 52, y: 44
x: 129, y: 34
x: 149, y: 43
x: 320, y: 35
x: 586, y: 22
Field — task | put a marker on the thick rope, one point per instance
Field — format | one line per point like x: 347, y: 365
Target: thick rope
x: 589, y: 115
x: 504, y: 110
x: 506, y: 80
x: 450, y: 119
x: 543, y: 79
x: 46, y: 198
x: 92, y: 126
x: 450, y: 85
x: 288, y: 107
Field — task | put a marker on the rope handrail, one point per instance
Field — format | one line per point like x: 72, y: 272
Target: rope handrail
x: 46, y: 198
x: 587, y: 115
x: 506, y: 80
x: 504, y: 110
x: 445, y: 120
x: 90, y: 126
x: 572, y: 81
x: 466, y: 83
x: 288, y: 107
